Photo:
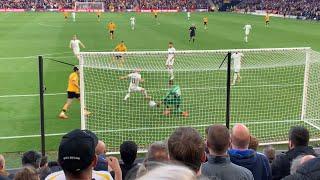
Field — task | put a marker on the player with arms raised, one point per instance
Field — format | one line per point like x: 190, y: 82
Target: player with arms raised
x: 170, y: 60
x: 173, y: 98
x: 74, y: 45
x: 247, y: 28
x: 73, y: 92
x: 132, y: 22
x: 135, y: 79
x: 237, y: 60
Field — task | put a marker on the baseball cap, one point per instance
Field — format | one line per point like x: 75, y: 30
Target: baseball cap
x: 77, y: 150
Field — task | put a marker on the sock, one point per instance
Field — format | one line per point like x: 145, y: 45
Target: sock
x: 127, y: 96
x: 192, y: 40
x: 246, y: 38
x: 234, y: 78
x: 170, y: 71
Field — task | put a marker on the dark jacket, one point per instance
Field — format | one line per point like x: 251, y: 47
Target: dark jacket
x: 4, y: 177
x: 281, y: 165
x: 308, y: 171
x: 125, y: 168
x: 223, y: 168
x: 257, y: 163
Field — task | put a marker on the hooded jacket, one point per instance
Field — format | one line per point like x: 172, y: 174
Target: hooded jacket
x: 257, y: 163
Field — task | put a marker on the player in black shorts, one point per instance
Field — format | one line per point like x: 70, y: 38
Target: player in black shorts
x: 192, y: 31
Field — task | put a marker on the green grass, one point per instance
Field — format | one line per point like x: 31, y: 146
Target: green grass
x: 30, y: 34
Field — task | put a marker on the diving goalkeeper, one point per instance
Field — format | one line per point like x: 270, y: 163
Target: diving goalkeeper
x: 173, y: 98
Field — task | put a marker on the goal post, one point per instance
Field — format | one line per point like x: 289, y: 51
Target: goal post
x: 89, y: 6
x: 269, y: 98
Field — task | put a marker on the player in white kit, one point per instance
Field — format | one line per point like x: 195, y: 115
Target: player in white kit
x: 133, y: 22
x: 247, y: 28
x: 170, y: 60
x: 237, y: 59
x: 74, y: 45
x: 188, y: 15
x: 73, y: 14
x: 135, y: 79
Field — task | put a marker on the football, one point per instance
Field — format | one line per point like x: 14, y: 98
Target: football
x: 152, y: 104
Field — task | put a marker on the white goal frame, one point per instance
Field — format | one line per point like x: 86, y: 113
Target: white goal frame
x: 307, y: 50
x: 90, y: 9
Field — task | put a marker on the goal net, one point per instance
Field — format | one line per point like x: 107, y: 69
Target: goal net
x: 89, y: 6
x: 278, y: 89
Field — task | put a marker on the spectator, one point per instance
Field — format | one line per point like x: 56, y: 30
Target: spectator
x: 77, y: 158
x: 298, y: 145
x: 101, y: 151
x: 219, y: 164
x: 270, y: 153
x: 298, y: 161
x: 254, y: 143
x: 240, y: 154
x: 157, y: 154
x: 128, y: 153
x: 310, y: 170
x: 158, y: 151
x: 27, y: 173
x: 31, y: 158
x: 44, y: 169
x: 54, y: 166
x: 170, y: 172
x: 185, y: 145
x: 3, y: 173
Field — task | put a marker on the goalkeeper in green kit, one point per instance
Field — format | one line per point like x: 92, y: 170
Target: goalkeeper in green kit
x: 173, y: 98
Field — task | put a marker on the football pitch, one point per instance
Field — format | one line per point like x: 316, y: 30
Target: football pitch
x: 24, y: 36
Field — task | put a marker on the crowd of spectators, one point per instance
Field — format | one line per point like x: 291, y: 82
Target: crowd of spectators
x: 118, y: 5
x: 309, y: 9
x: 185, y: 155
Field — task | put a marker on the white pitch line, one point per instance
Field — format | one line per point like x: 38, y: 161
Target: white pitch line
x: 48, y: 25
x: 30, y: 136
x: 35, y: 56
x: 101, y: 92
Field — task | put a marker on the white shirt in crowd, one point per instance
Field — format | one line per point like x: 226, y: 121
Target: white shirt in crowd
x: 97, y: 175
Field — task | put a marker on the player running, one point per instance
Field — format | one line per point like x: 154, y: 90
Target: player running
x: 155, y: 13
x: 205, y: 22
x: 73, y: 15
x: 135, y: 79
x: 99, y: 16
x: 192, y: 31
x: 173, y: 98
x: 188, y: 15
x: 132, y: 22
x: 170, y: 60
x: 237, y: 59
x: 65, y: 15
x: 121, y: 47
x: 247, y: 28
x: 74, y: 45
x: 267, y: 19
x: 111, y: 27
x: 73, y: 92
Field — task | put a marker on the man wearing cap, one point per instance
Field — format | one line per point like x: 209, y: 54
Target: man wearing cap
x: 77, y: 158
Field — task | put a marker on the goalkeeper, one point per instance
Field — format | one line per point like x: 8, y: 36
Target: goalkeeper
x: 173, y: 98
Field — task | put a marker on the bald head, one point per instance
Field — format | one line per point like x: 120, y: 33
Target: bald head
x: 306, y: 158
x: 299, y: 161
x: 101, y: 148
x: 240, y: 137
x: 2, y: 162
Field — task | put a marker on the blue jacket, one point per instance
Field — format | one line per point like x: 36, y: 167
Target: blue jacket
x: 257, y: 163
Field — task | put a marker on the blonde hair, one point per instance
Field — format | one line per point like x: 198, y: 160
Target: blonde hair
x: 27, y: 173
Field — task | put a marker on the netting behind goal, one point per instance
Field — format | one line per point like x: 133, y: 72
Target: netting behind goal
x: 268, y: 98
x: 89, y: 6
